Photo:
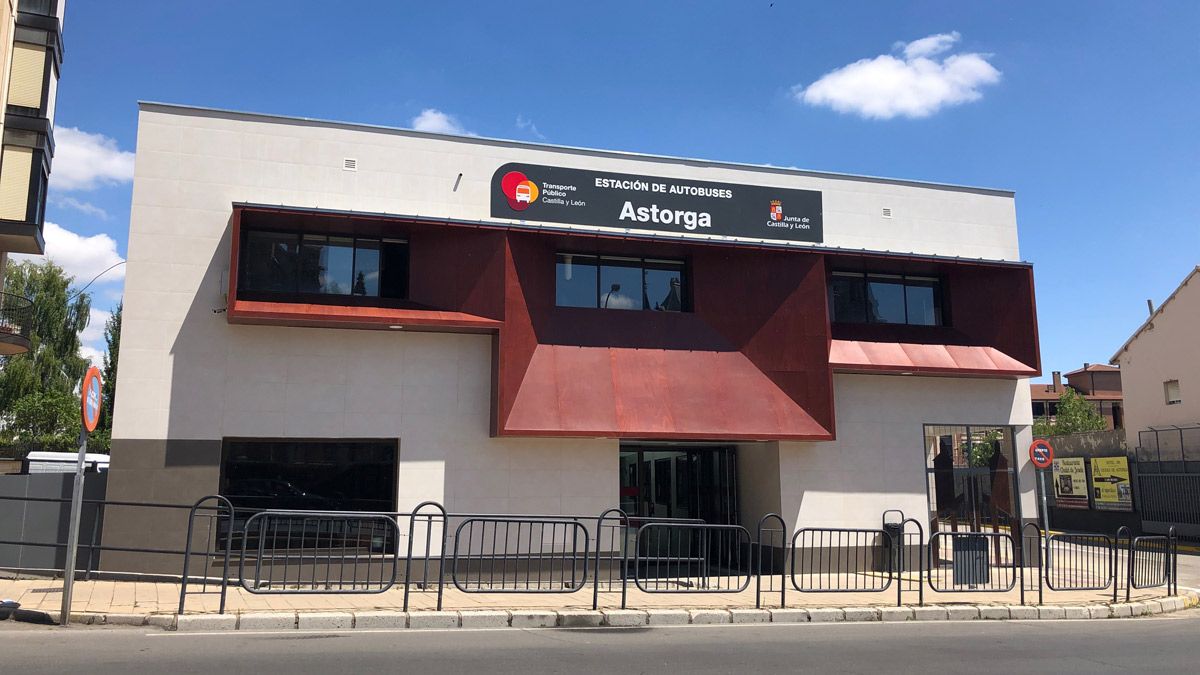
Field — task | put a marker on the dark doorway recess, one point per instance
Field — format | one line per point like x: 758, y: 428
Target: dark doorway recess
x: 669, y: 481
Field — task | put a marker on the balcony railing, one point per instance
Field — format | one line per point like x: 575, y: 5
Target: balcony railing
x: 16, y: 314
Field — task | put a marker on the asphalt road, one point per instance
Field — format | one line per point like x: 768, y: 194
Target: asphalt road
x: 1158, y: 644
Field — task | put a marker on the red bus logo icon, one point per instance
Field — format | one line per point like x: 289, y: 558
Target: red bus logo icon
x: 520, y: 191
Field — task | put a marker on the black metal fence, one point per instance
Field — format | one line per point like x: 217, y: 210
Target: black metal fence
x: 429, y: 549
x: 520, y: 555
x: 692, y: 558
x: 16, y: 313
x: 1080, y: 562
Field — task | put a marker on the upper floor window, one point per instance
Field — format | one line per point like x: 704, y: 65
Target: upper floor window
x: 1171, y: 390
x: 286, y: 263
x: 610, y: 282
x: 856, y: 297
x: 43, y: 7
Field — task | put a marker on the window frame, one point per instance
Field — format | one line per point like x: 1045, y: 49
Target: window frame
x: 319, y: 298
x: 1167, y: 392
x: 906, y: 281
x: 641, y: 263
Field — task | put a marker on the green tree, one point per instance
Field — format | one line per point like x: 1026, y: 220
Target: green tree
x: 44, y: 421
x: 1075, y: 414
x: 53, y: 363
x: 112, y: 341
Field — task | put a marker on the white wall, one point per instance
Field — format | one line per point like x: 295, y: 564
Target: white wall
x: 878, y: 462
x: 231, y: 156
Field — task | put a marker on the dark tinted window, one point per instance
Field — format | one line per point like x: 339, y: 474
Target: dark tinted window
x: 664, y: 285
x: 855, y: 297
x: 611, y: 282
x: 885, y: 299
x: 310, y: 475
x: 923, y: 302
x: 393, y: 269
x: 269, y: 262
x: 284, y: 263
x: 366, y: 268
x: 576, y: 281
x: 621, y: 284
x: 848, y: 298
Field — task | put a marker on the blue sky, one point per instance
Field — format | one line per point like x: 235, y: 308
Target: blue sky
x: 1088, y: 110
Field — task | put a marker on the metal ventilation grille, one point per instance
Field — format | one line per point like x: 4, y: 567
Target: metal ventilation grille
x: 349, y: 164
x: 887, y: 213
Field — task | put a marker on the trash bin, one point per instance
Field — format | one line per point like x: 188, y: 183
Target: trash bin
x: 894, y: 543
x: 970, y: 560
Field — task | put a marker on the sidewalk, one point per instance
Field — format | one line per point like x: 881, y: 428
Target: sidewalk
x: 159, y: 598
x: 150, y: 602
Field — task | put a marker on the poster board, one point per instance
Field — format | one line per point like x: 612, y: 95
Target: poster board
x: 1111, y: 488
x: 1070, y: 483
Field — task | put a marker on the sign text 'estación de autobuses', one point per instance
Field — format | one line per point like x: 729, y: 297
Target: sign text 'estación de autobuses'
x: 616, y: 200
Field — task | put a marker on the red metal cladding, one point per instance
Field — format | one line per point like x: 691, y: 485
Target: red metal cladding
x: 654, y: 393
x: 858, y: 355
x: 753, y: 358
x: 342, y: 316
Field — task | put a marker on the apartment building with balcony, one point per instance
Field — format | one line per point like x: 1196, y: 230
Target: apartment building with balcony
x: 31, y: 53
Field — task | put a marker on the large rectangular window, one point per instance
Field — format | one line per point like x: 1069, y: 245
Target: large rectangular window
x: 326, y: 475
x: 612, y: 282
x: 315, y: 266
x: 857, y: 297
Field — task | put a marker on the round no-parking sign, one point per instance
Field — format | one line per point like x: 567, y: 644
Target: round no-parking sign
x: 90, y: 399
x: 1041, y: 453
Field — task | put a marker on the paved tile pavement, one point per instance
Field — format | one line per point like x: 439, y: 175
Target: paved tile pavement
x: 146, y: 597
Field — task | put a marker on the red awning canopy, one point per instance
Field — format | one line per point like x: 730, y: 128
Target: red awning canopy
x: 653, y: 393
x: 931, y: 359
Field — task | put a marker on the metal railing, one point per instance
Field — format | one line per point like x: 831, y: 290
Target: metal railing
x: 961, y: 562
x: 213, y: 521
x: 1169, y: 500
x: 428, y: 549
x: 16, y: 315
x: 841, y: 560
x: 1153, y: 562
x: 315, y: 552
x: 520, y: 555
x: 771, y: 529
x: 1080, y: 562
x: 692, y: 558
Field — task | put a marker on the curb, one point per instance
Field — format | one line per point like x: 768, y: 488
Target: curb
x: 624, y: 618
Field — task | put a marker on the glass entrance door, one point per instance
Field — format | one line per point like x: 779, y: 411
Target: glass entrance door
x: 679, y: 482
x: 971, y: 480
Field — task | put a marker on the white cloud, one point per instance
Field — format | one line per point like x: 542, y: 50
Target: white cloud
x: 95, y: 328
x: 928, y: 46
x: 96, y: 356
x: 438, y: 122
x: 81, y: 257
x: 528, y: 125
x: 914, y: 85
x: 82, y: 207
x: 84, y: 161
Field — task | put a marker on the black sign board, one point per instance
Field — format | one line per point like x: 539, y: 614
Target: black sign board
x: 600, y: 199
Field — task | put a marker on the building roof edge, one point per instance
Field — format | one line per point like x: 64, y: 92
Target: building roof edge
x: 1150, y: 321
x: 179, y: 108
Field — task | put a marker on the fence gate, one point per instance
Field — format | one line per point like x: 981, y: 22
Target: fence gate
x: 1168, y: 479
